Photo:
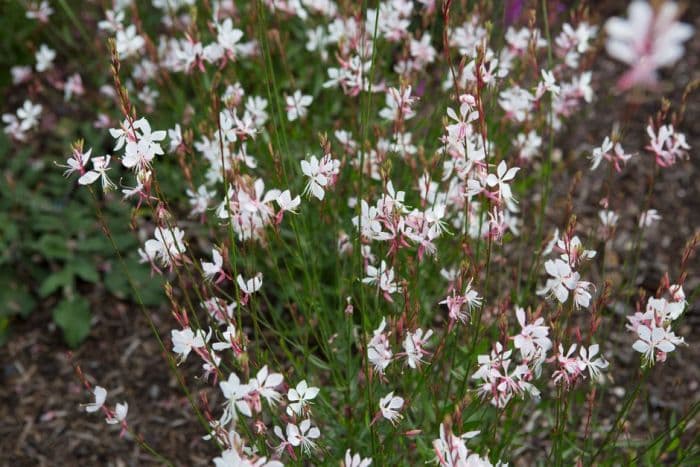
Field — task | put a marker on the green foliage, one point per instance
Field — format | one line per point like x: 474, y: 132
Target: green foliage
x: 150, y: 288
x: 53, y: 248
x: 73, y: 317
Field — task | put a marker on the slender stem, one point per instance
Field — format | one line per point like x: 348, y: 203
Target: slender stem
x: 168, y: 357
x: 616, y: 428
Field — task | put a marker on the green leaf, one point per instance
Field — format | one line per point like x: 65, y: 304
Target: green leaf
x: 73, y: 317
x: 85, y: 270
x: 94, y: 244
x: 124, y: 241
x: 673, y: 445
x: 8, y: 229
x: 15, y: 299
x: 54, y: 246
x: 55, y: 281
x: 318, y: 362
x: 150, y: 289
x: 4, y: 330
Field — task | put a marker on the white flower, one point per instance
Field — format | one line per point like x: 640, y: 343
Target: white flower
x: 594, y: 365
x: 378, y: 351
x: 286, y: 202
x: 120, y: 411
x: 140, y: 151
x: 199, y: 200
x: 303, y: 435
x: 461, y: 306
x: 533, y: 340
x: 128, y: 41
x: 383, y: 276
x: 186, y: 340
x: 40, y: 12
x: 28, y: 115
x: 501, y: 178
x: 573, y: 250
x: 232, y: 458
x: 74, y: 85
x: 422, y: 51
x: 300, y: 397
x: 167, y: 246
x: 452, y: 450
x: 413, y: 346
x: 250, y: 286
x: 175, y: 137
x: 317, y: 40
x: 318, y: 180
x: 120, y: 134
x: 76, y: 162
x: 608, y: 218
x: 668, y: 145
x: 649, y: 218
x: 398, y: 105
x: 664, y: 310
x: 20, y: 74
x: 355, y: 460
x: 100, y: 166
x: 600, y: 152
x: 297, y: 105
x: 100, y: 396
x: 112, y: 22
x: 528, y: 144
x: 44, y: 58
x: 210, y: 270
x: 228, y: 37
x: 321, y: 173
x: 228, y: 336
x: 658, y: 338
x: 235, y: 394
x: 516, y: 102
x: 549, y: 83
x: 563, y: 279
x: 265, y: 383
x: 582, y: 296
x: 651, y: 38
x: 390, y: 405
x: 369, y: 221
x: 148, y: 96
x: 677, y: 293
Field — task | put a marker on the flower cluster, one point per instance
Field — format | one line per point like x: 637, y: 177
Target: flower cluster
x: 497, y: 381
x: 322, y: 174
x: 249, y: 209
x: 564, y: 279
x: 116, y: 416
x: 571, y: 367
x: 653, y: 327
x: 460, y: 306
x: 379, y: 351
x: 614, y: 154
x: 451, y: 450
x: 26, y: 118
x: 166, y: 248
x: 667, y: 145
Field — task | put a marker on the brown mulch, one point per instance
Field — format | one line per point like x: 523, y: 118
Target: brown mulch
x: 41, y: 421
